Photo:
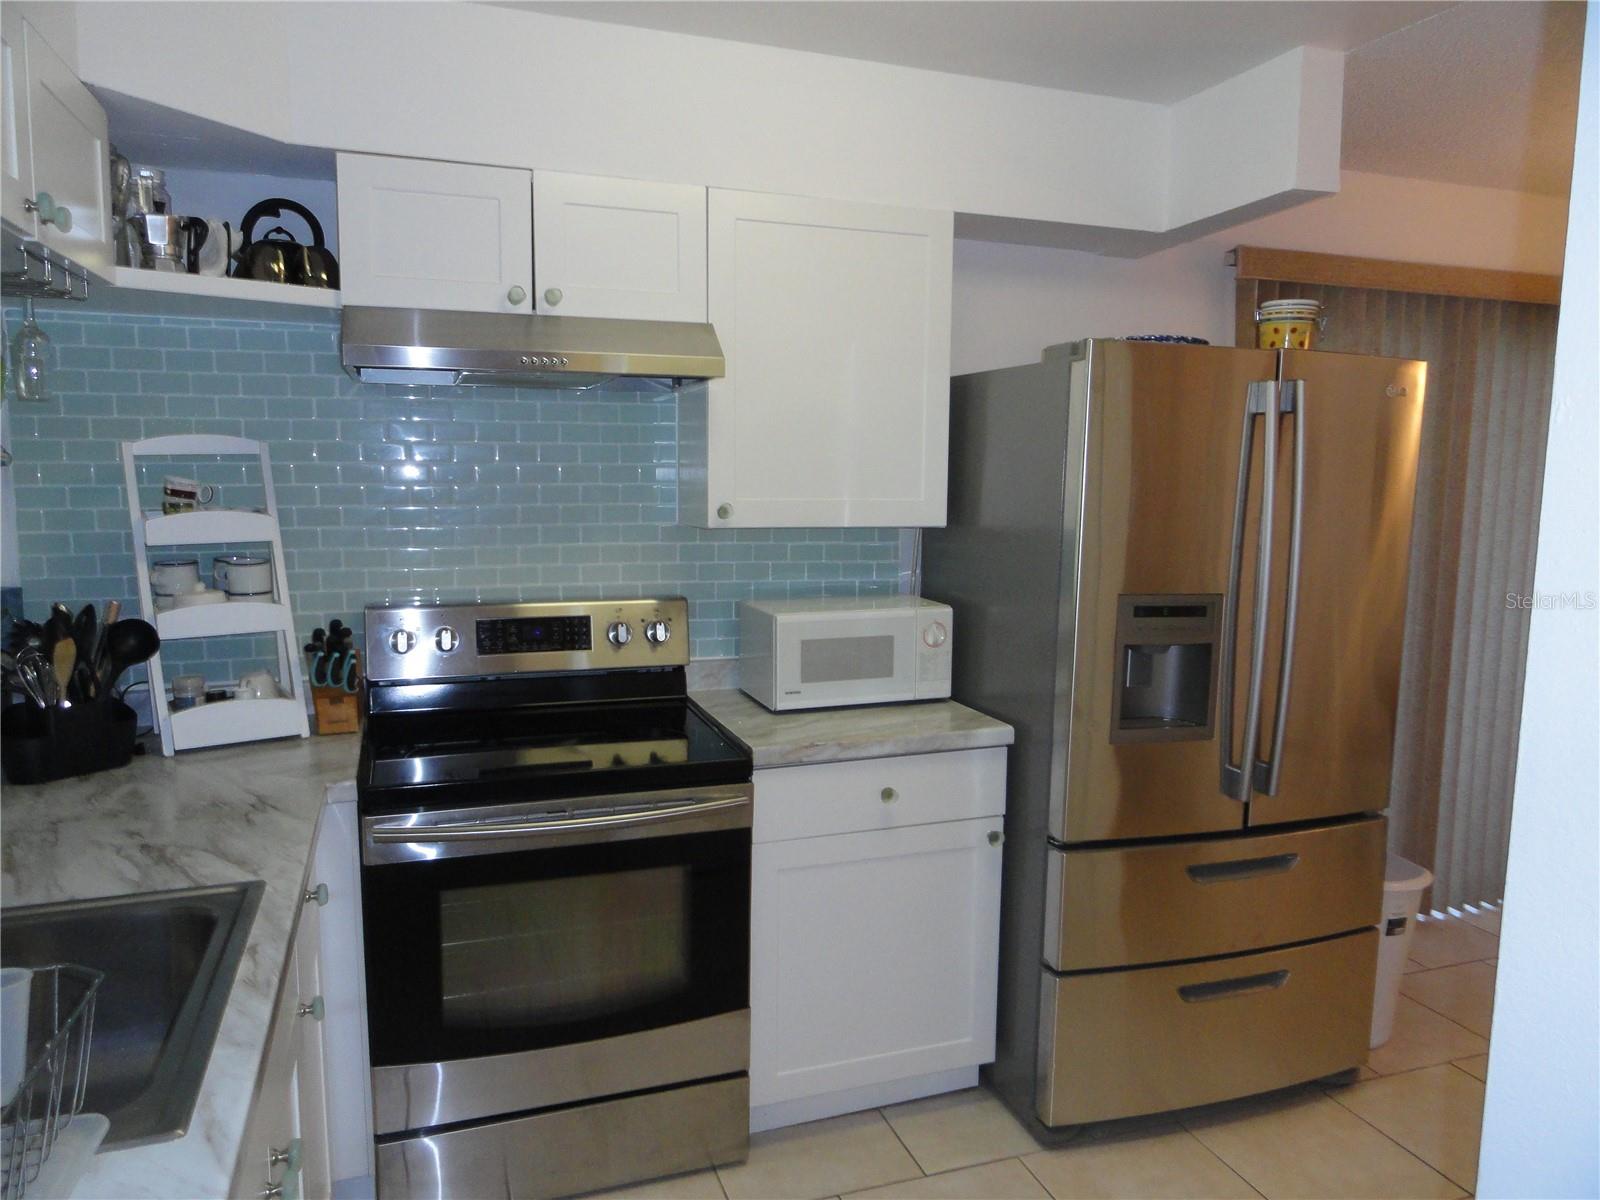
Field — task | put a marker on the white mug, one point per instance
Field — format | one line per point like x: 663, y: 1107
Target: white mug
x: 243, y: 576
x: 260, y: 685
x: 170, y: 576
x: 180, y: 495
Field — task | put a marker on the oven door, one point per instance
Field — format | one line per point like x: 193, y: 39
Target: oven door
x: 522, y: 956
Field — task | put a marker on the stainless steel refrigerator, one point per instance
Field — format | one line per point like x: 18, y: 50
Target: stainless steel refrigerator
x: 1180, y: 573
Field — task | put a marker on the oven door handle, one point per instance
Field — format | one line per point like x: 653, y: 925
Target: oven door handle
x: 476, y: 831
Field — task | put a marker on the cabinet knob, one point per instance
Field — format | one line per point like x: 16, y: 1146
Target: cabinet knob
x: 517, y: 294
x: 724, y: 511
x: 315, y: 1010
x: 889, y: 795
x: 50, y: 213
x: 318, y: 895
x: 996, y: 837
x: 290, y: 1156
x: 552, y: 296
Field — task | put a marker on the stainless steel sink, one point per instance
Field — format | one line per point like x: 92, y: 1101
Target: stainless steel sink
x: 169, y: 960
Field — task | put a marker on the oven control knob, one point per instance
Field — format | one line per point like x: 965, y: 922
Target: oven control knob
x: 657, y: 632
x: 402, y: 640
x: 934, y: 635
x: 446, y: 639
x: 618, y: 634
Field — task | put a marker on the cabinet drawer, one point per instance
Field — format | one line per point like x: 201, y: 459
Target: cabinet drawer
x: 1124, y: 906
x: 1122, y: 1043
x: 274, y: 1120
x: 878, y: 793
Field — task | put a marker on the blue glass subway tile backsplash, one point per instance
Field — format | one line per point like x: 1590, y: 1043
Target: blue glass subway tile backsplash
x: 388, y: 493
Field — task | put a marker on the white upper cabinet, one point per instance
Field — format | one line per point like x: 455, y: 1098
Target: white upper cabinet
x: 421, y: 234
x: 55, y: 154
x: 835, y: 321
x: 16, y: 160
x: 621, y: 248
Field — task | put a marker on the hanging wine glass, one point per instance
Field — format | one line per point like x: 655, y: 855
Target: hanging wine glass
x: 28, y: 358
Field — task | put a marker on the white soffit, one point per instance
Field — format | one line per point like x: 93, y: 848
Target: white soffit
x: 1158, y: 51
x: 1483, y: 94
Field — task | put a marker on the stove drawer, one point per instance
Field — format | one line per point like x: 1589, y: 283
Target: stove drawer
x: 1124, y: 1043
x: 575, y: 1149
x: 817, y: 799
x: 1122, y: 906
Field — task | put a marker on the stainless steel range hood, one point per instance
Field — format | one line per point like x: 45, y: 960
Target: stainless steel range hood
x: 415, y: 345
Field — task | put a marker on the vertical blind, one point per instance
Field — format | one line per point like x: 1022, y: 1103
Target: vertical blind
x: 1477, y: 518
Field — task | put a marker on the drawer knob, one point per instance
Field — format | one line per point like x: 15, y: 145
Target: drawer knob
x: 889, y: 795
x: 552, y: 296
x: 316, y: 1010
x: 724, y: 511
x: 996, y: 837
x: 318, y: 895
x: 517, y: 294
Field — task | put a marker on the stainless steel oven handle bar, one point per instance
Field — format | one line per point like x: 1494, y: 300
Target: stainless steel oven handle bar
x: 475, y: 831
x: 1294, y: 401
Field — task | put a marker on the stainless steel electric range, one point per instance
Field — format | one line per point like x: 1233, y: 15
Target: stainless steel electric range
x: 555, y: 875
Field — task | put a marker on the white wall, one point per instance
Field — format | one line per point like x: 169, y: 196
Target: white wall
x: 1541, y: 1123
x: 481, y: 84
x: 1012, y: 301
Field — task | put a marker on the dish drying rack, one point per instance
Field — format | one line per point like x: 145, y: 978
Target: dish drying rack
x: 53, y: 1084
x: 237, y: 720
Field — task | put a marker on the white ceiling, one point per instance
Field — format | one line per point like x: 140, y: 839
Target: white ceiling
x: 1481, y: 93
x: 1484, y: 93
x: 1156, y: 50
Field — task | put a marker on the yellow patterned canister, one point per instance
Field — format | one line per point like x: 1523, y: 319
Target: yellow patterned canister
x: 1289, y: 324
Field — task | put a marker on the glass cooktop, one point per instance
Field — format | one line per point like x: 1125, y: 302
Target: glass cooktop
x: 411, y: 760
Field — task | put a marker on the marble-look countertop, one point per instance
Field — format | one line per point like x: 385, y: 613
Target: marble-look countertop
x: 838, y: 734
x: 204, y: 817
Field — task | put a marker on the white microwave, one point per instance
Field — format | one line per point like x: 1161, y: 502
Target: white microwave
x: 824, y: 653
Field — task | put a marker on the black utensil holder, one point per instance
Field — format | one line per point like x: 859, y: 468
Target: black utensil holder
x: 38, y: 745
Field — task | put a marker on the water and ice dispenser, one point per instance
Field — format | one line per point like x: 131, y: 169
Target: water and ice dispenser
x: 1166, y: 668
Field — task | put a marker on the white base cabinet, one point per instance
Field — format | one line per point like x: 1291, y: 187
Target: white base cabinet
x: 310, y: 1125
x: 874, y: 925
x: 286, y: 1139
x: 834, y: 318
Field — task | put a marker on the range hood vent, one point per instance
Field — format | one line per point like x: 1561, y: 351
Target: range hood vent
x: 423, y: 346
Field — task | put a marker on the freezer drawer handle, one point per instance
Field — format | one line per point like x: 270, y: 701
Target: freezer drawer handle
x: 1242, y: 868
x: 1221, y: 989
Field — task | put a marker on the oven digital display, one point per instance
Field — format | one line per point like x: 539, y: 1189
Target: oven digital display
x: 533, y: 635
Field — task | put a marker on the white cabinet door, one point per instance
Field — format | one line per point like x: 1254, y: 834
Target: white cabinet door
x: 873, y: 957
x: 316, y: 1177
x: 621, y: 248
x: 71, y: 157
x: 835, y: 321
x: 16, y: 157
x: 421, y: 234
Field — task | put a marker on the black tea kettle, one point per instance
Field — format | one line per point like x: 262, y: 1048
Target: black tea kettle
x: 278, y: 257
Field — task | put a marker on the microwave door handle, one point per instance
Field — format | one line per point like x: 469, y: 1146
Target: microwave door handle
x: 479, y: 831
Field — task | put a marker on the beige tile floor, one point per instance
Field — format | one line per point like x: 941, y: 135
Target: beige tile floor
x: 1408, y: 1128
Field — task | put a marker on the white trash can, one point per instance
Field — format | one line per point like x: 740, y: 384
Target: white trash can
x: 1403, y: 885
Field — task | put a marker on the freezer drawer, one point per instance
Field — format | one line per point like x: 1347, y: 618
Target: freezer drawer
x: 1123, y: 1043
x: 1123, y: 906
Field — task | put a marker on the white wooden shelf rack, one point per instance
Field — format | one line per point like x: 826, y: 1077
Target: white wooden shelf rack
x: 238, y: 720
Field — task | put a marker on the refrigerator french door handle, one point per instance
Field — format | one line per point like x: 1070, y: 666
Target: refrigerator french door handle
x: 1260, y: 400
x: 1293, y: 401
